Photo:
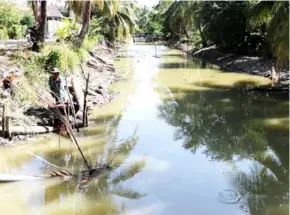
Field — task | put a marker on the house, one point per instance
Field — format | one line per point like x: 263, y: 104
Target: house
x: 53, y: 20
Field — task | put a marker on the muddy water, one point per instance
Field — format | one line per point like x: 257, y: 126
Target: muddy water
x: 189, y: 138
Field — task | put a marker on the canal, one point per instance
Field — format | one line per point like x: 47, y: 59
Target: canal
x: 189, y: 139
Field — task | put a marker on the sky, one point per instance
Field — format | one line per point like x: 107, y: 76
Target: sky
x: 148, y: 3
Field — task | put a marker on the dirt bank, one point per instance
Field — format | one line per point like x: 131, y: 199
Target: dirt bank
x: 234, y: 62
x: 27, y: 114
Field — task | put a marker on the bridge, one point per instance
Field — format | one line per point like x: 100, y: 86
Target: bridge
x: 146, y: 37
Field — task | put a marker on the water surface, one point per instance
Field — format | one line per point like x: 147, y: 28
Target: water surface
x: 190, y: 140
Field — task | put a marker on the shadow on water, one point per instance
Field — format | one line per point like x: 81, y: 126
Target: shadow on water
x: 173, y: 55
x: 230, y: 123
x: 190, y: 63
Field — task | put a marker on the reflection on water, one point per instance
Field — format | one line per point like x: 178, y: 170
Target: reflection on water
x: 230, y: 126
x: 183, y: 131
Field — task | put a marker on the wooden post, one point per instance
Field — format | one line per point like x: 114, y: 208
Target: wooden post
x: 87, y: 116
x: 72, y: 106
x: 7, y: 127
x: 3, y: 121
x: 85, y: 123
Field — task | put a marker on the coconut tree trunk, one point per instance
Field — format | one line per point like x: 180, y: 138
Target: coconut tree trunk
x: 203, y: 40
x: 42, y: 21
x: 185, y: 32
x: 86, y: 14
x: 35, y: 8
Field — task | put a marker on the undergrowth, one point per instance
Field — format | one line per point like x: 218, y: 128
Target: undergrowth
x: 36, y: 66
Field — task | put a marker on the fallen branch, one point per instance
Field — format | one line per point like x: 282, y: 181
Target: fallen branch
x: 104, y: 61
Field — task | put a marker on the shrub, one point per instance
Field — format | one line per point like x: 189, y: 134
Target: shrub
x: 95, y: 29
x: 195, y: 40
x: 69, y: 58
x: 68, y: 28
x: 27, y: 20
x: 16, y: 32
x: 53, y: 59
x: 3, y: 33
x: 89, y: 44
x: 9, y: 14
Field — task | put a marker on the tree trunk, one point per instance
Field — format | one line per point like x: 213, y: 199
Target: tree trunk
x: 185, y: 31
x: 35, y: 8
x: 86, y: 14
x: 203, y: 40
x: 42, y: 22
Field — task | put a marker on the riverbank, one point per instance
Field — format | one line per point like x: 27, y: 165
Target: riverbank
x: 234, y: 62
x: 27, y: 115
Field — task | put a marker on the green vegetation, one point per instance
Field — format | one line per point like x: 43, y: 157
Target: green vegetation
x: 16, y: 32
x: 67, y: 29
x: 27, y: 20
x: 3, y: 33
x: 116, y: 19
x: 13, y: 22
x: 245, y: 27
x: 95, y: 30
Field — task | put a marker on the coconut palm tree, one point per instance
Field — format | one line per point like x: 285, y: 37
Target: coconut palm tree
x: 183, y: 17
x: 118, y: 17
x: 275, y: 14
x: 40, y: 14
x: 86, y: 15
x: 179, y: 14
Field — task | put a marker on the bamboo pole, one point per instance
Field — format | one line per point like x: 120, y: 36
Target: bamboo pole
x: 72, y: 106
x: 73, y: 138
x: 36, y: 156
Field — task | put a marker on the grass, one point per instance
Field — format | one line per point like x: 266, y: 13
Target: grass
x: 35, y: 66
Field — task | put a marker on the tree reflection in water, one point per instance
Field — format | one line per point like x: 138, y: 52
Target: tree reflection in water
x: 229, y: 126
x: 97, y: 195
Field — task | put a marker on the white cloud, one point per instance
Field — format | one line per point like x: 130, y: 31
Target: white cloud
x: 155, y: 208
x: 152, y: 164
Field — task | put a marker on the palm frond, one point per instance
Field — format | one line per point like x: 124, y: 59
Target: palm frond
x: 256, y: 182
x: 129, y: 172
x: 273, y: 165
x: 261, y: 13
x: 76, y: 7
x: 126, y: 147
x: 126, y: 193
x: 280, y: 41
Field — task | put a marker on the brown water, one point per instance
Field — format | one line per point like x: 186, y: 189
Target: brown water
x: 190, y: 140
